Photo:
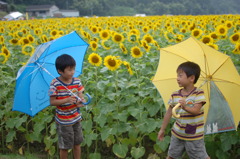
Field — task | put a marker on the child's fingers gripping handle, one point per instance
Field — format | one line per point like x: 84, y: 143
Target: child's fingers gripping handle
x: 174, y: 111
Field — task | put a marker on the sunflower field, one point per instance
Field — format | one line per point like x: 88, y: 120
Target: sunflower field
x: 126, y: 112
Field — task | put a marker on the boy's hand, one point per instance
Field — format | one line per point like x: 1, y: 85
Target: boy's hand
x: 182, y: 102
x: 71, y: 100
x: 160, y: 135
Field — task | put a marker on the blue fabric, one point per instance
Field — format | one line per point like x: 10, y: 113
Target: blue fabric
x: 33, y: 81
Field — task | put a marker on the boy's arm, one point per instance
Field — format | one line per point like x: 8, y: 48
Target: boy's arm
x: 166, y: 120
x: 56, y: 102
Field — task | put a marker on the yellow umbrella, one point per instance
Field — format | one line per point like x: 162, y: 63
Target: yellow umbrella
x: 219, y: 79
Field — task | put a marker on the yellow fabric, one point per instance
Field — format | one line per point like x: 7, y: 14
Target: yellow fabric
x: 215, y: 66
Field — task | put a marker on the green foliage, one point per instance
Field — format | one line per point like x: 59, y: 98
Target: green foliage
x: 131, y: 7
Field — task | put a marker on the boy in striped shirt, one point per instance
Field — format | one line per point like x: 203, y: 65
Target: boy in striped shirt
x: 67, y: 115
x: 188, y: 130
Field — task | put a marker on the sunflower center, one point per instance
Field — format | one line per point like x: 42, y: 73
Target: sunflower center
x: 196, y: 33
x: 118, y: 38
x: 95, y: 59
x: 235, y: 38
x: 111, y: 62
x: 136, y: 51
x: 222, y: 30
x: 105, y: 34
x: 206, y: 40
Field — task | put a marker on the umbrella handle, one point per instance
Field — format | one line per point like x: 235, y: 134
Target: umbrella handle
x: 89, y: 99
x: 174, y: 111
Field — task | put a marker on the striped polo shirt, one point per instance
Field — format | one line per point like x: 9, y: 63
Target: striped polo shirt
x: 66, y: 114
x: 189, y: 126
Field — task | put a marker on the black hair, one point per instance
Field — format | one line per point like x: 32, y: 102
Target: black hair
x: 190, y: 68
x: 64, y: 61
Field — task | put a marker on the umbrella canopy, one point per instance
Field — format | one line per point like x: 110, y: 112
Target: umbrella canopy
x: 219, y: 79
x: 33, y: 79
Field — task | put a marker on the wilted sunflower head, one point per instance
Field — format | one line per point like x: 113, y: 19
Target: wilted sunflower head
x: 104, y: 34
x: 93, y: 45
x: 118, y: 38
x: 136, y: 52
x: 28, y: 49
x: 95, y: 59
x: 112, y: 62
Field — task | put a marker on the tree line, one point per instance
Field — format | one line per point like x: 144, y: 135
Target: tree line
x: 132, y: 7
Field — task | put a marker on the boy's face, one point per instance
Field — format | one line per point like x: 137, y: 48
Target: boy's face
x: 183, y: 80
x: 68, y: 72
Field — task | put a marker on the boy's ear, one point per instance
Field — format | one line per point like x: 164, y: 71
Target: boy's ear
x: 192, y: 78
x: 59, y: 72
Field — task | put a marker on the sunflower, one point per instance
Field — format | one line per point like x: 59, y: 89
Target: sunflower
x: 94, y: 29
x: 127, y: 64
x: 118, y: 38
x: 14, y: 41
x: 183, y: 30
x: 134, y: 31
x: 235, y: 37
x: 145, y: 29
x: 30, y: 38
x: 213, y: 45
x: 229, y: 24
x: 148, y: 38
x: 3, y: 58
x: 237, y: 49
x: 145, y: 45
x: 24, y: 41
x: 112, y: 62
x: 214, y: 35
x: 123, y: 48
x: 105, y: 44
x: 5, y: 51
x: 1, y: 39
x: 222, y: 30
x: 2, y: 29
x: 37, y: 31
x: 95, y: 59
x: 93, y: 45
x: 132, y: 38
x: 207, y: 39
x: 197, y: 33
x: 136, y: 52
x: 104, y: 34
x: 44, y: 38
x: 54, y: 32
x: 28, y: 49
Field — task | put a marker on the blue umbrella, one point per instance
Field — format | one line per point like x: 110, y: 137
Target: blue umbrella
x: 33, y: 79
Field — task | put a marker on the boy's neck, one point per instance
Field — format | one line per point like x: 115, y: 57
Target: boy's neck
x: 64, y: 80
x: 188, y: 89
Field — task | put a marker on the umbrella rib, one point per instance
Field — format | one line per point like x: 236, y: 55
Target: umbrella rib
x: 41, y: 66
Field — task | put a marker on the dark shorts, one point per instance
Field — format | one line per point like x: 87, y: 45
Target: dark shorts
x: 195, y: 149
x: 69, y: 135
